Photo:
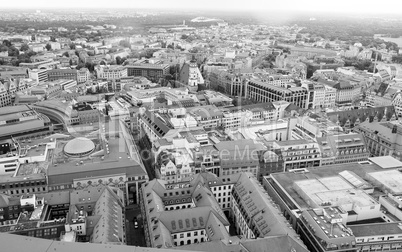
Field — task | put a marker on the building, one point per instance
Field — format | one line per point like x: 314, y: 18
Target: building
x: 208, y: 116
x: 397, y: 103
x: 175, y: 166
x: 66, y: 74
x: 254, y: 213
x: 111, y: 72
x: 343, y: 149
x: 13, y: 72
x: 153, y: 72
x: 237, y: 156
x: 262, y: 92
x: 6, y: 94
x: 319, y: 95
x: 190, y: 76
x: 349, y: 119
x: 270, y: 162
x: 311, y: 127
x: 39, y: 75
x: 22, y: 119
x: 227, y: 82
x: 35, y: 65
x: 383, y: 138
x: 176, y: 215
x: 83, y: 75
x: 332, y: 207
x: 298, y: 154
x: 153, y: 126
x: 346, y: 93
x: 115, y: 162
x: 181, y: 213
x: 79, y: 216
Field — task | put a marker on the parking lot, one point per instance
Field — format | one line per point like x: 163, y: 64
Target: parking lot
x: 134, y: 236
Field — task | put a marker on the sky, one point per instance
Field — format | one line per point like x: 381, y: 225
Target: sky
x: 348, y: 6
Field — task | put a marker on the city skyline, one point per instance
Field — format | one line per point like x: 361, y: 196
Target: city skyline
x: 342, y: 6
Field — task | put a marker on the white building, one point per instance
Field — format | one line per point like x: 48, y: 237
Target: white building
x: 110, y: 72
x: 83, y: 75
x: 39, y: 75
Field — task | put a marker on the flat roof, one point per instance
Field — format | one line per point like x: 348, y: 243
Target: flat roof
x: 386, y: 162
x: 392, y: 179
x: 287, y: 179
x: 376, y: 229
x: 14, y: 109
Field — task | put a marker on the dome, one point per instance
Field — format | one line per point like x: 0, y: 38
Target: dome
x: 79, y: 146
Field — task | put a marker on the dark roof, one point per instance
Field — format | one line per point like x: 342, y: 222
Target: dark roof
x: 343, y: 85
x: 362, y: 115
x: 155, y: 122
x: 376, y: 229
x: 254, y: 107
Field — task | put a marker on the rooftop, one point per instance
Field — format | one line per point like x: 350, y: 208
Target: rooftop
x: 386, y: 162
x: 377, y: 229
x: 286, y: 179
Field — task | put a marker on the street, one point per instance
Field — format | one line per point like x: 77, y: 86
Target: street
x: 134, y: 236
x: 145, y: 149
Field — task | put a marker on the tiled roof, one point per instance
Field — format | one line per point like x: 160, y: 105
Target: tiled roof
x: 362, y: 115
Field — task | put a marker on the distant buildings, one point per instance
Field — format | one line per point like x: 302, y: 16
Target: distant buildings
x: 56, y: 74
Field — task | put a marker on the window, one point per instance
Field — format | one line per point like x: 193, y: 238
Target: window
x: 195, y: 233
x: 181, y: 235
x: 189, y: 234
x: 47, y: 232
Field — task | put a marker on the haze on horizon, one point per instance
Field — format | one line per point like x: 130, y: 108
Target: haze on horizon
x: 310, y: 6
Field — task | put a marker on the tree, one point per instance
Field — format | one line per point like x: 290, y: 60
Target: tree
x: 7, y: 43
x: 48, y: 47
x: 12, y: 51
x: 118, y: 60
x: 72, y: 46
x: 3, y: 48
x: 124, y: 43
x: 24, y: 47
